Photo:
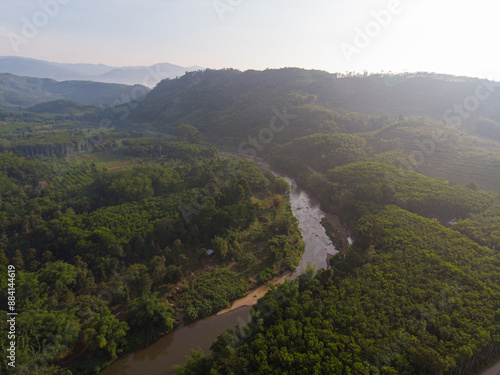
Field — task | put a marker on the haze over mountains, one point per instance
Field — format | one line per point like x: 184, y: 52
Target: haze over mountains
x: 129, y: 75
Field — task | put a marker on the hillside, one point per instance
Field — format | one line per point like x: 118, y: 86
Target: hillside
x: 16, y: 91
x: 217, y: 92
x: 275, y: 107
x: 61, y: 106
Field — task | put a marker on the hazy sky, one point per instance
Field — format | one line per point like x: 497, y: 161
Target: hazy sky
x: 445, y: 36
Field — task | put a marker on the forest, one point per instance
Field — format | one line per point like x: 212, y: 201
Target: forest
x: 124, y: 224
x: 122, y: 228
x: 410, y: 297
x: 414, y: 294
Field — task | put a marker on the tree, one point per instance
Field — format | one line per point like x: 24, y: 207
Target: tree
x: 148, y: 318
x: 265, y: 275
x: 157, y: 268
x: 31, y: 260
x: 4, y: 145
x: 139, y: 279
x: 473, y: 186
x: 105, y: 333
x: 48, y: 333
x: 221, y: 246
x: 18, y: 260
x: 280, y: 186
x: 85, y: 282
x: 58, y: 276
x: 196, y: 363
x: 3, y: 258
x: 427, y: 360
x: 189, y: 133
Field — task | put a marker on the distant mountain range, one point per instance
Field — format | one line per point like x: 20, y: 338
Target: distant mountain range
x: 129, y: 75
x: 22, y: 92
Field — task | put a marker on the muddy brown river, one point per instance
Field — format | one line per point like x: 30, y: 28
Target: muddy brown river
x: 159, y: 358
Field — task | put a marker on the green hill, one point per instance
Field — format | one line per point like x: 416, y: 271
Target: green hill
x: 217, y: 98
x: 61, y: 106
x: 21, y: 92
x: 257, y: 112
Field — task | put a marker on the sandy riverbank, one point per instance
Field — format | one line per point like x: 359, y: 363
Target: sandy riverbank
x: 254, y: 295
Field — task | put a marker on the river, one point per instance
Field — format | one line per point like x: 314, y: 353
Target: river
x: 309, y: 215
x: 159, y: 358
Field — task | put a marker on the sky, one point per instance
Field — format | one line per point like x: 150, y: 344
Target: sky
x: 444, y: 36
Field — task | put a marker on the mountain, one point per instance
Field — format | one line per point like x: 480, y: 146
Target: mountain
x: 34, y: 68
x: 130, y: 75
x: 83, y: 69
x: 241, y: 101
x: 145, y: 75
x: 18, y: 91
x: 447, y: 127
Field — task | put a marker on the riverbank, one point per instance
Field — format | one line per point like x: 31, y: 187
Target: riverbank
x: 254, y: 295
x: 173, y: 347
x: 336, y: 223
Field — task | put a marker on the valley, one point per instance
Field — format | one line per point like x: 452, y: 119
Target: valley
x: 131, y: 230
x: 173, y: 348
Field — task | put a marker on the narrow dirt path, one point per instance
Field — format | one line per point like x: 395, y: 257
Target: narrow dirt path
x: 495, y: 370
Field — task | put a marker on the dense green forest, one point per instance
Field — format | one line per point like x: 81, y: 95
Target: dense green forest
x: 411, y: 297
x: 105, y: 232
x: 414, y: 295
x: 108, y: 216
x: 412, y: 121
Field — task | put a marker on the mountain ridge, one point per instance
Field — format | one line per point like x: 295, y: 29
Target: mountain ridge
x: 235, y: 110
x: 219, y: 93
x: 129, y: 75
